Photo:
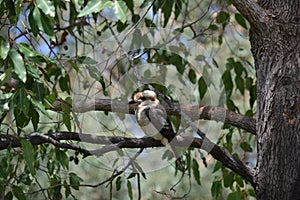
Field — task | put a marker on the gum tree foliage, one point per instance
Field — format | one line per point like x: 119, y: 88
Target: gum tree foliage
x: 56, y: 69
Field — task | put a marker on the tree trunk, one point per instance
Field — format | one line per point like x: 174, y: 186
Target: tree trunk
x: 276, y: 50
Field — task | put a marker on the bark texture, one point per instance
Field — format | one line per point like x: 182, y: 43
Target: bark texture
x: 276, y: 50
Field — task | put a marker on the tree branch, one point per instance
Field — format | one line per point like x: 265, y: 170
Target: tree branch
x: 219, y: 153
x: 195, y: 112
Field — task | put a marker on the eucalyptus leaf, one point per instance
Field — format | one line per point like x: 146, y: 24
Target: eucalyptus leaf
x: 28, y: 153
x: 18, y: 64
x: 4, y: 48
x: 46, y: 6
x: 94, y: 6
x: 27, y: 50
x: 119, y: 8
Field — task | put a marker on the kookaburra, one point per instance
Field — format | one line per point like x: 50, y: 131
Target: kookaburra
x: 153, y: 119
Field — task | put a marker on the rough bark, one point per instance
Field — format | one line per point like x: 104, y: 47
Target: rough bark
x: 275, y: 44
x: 276, y: 51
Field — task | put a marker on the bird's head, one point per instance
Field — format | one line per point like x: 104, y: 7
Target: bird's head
x: 142, y: 97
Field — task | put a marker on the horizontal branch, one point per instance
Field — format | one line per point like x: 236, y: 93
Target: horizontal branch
x: 194, y: 111
x: 219, y: 153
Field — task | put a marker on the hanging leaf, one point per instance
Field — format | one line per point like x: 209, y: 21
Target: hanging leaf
x: 47, y: 24
x: 5, y: 76
x: 202, y: 87
x: 4, y: 48
x: 33, y: 24
x: 129, y: 189
x: 21, y: 102
x: 167, y: 10
x: 240, y: 84
x: 118, y: 183
x: 216, y: 189
x: 28, y: 153
x: 192, y: 76
x: 196, y: 171
x: 27, y: 50
x: 228, y: 84
x: 222, y: 17
x: 66, y: 116
x: 46, y: 6
x: 246, y: 147
x: 95, y: 6
x: 139, y: 168
x: 119, y: 8
x: 228, y: 178
x: 18, y: 64
x: 74, y: 180
x: 241, y: 20
x: 62, y: 158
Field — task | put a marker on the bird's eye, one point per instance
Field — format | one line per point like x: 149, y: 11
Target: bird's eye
x: 143, y: 98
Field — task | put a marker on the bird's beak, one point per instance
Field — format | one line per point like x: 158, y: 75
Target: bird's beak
x: 134, y: 102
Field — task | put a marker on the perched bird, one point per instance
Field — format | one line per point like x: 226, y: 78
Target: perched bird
x: 153, y: 119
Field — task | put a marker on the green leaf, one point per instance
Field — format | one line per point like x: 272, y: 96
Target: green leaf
x: 40, y: 106
x: 139, y: 168
x: 216, y: 189
x: 66, y: 116
x: 196, y: 171
x: 47, y: 7
x: 241, y: 20
x: 213, y: 27
x: 228, y: 178
x: 177, y: 61
x: 118, y: 183
x: 253, y: 95
x: 25, y: 178
x: 47, y: 24
x: 222, y: 17
x: 74, y: 180
x: 33, y: 24
x: 167, y: 10
x: 239, y: 181
x: 238, y: 68
x: 246, y: 147
x: 217, y: 166
x: 21, y: 102
x: 228, y: 84
x: 129, y: 189
x: 9, y: 196
x: 235, y: 195
x: 36, y: 15
x: 27, y: 50
x: 119, y: 8
x: 62, y: 158
x: 5, y: 76
x: 94, y: 6
x: 249, y: 82
x: 240, y: 84
x: 131, y: 175
x: 39, y: 91
x: 34, y: 119
x: 18, y: 64
x: 192, y: 76
x: 202, y: 87
x: 18, y: 192
x: 28, y: 153
x: 231, y: 106
x: 4, y: 48
x: 64, y: 83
